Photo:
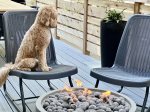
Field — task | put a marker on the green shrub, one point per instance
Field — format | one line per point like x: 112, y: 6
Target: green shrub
x: 114, y: 16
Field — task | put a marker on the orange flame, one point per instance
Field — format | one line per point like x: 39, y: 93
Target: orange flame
x: 106, y: 94
x: 68, y: 89
x: 79, y: 83
x: 87, y: 91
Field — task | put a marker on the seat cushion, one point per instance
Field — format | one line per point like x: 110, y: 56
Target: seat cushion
x: 120, y: 77
x: 58, y: 71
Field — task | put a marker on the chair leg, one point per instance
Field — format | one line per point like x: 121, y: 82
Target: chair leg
x: 4, y: 87
x: 145, y: 99
x: 22, y: 94
x: 120, y: 89
x: 70, y: 81
x: 97, y: 82
x: 49, y: 84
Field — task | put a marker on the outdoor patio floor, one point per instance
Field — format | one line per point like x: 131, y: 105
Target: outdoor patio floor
x: 66, y: 55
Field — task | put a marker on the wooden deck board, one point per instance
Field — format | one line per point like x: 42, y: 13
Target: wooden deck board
x: 4, y: 104
x: 65, y: 55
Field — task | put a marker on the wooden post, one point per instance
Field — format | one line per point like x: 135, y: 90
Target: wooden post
x: 56, y: 5
x: 137, y: 6
x: 85, y: 27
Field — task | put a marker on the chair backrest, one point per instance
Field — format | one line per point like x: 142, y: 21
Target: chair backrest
x: 133, y: 53
x: 16, y: 23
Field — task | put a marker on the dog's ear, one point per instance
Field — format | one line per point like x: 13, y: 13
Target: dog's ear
x: 44, y: 16
x: 53, y: 18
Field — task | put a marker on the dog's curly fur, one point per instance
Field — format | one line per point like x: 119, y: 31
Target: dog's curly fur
x: 32, y: 51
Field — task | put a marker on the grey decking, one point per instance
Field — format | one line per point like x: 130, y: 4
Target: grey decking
x: 66, y: 55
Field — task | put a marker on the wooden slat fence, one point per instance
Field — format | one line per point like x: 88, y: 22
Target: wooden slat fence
x: 71, y: 20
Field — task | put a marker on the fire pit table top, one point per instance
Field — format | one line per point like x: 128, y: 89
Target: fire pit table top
x: 43, y: 102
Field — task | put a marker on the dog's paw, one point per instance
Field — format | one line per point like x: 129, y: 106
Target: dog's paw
x: 50, y: 68
x: 46, y: 69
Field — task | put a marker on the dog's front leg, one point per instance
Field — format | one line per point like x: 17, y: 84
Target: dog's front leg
x: 42, y: 60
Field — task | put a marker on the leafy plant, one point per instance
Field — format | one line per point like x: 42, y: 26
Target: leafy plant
x: 114, y: 16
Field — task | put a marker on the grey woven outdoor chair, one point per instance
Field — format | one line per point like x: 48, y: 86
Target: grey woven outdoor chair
x: 132, y: 63
x: 16, y: 23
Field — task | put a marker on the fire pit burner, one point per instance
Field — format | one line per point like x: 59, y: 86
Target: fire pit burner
x: 84, y: 100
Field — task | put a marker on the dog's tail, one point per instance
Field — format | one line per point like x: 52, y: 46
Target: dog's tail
x: 4, y: 71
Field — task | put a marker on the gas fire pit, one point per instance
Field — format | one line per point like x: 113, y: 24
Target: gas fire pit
x: 84, y: 100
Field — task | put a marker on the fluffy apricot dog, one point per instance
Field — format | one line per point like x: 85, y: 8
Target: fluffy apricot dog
x: 32, y: 51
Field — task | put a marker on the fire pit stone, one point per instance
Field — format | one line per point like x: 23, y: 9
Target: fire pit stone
x: 80, y: 101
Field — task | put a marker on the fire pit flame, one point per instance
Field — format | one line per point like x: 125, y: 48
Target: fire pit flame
x: 87, y: 91
x: 79, y: 83
x: 106, y: 94
x: 68, y: 89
